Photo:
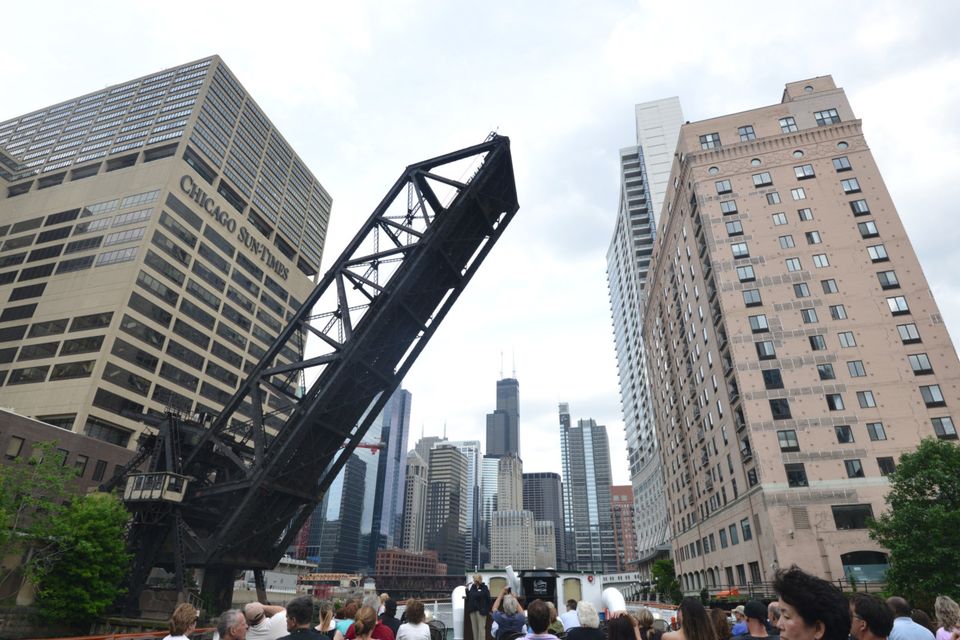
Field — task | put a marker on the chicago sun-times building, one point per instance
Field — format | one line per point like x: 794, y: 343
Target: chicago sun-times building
x: 155, y: 236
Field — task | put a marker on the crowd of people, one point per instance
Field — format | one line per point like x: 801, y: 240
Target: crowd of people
x: 807, y: 608
x: 305, y: 618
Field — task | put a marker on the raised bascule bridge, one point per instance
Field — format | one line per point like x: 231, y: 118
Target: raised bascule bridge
x: 230, y: 492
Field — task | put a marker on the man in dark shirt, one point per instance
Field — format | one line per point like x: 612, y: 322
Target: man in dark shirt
x: 755, y: 615
x: 299, y: 620
x: 389, y: 615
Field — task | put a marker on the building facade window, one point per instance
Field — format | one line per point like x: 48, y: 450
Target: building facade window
x: 788, y: 125
x: 828, y: 116
x: 920, y: 364
x: 796, y: 474
x: 944, y: 428
x: 710, y: 141
x: 876, y: 432
x: 854, y: 468
x: 787, y: 438
x: 746, y: 133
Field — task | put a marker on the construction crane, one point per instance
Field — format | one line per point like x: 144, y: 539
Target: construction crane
x: 229, y: 492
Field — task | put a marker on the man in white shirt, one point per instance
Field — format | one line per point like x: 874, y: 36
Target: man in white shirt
x: 266, y: 621
x: 569, y: 617
x: 904, y: 628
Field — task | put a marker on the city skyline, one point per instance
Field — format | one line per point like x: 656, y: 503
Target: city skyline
x: 543, y: 292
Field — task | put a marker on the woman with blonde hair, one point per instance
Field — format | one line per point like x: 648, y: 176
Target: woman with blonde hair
x: 364, y: 622
x: 948, y: 617
x: 327, y: 625
x: 183, y: 621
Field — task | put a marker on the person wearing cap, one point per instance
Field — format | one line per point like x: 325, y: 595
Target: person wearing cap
x: 755, y: 617
x: 740, y: 626
x: 265, y: 621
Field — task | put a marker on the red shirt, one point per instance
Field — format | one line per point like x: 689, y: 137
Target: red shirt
x: 380, y: 632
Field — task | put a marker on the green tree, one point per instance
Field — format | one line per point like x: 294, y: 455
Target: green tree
x: 666, y: 580
x: 32, y: 494
x: 920, y: 528
x: 81, y: 573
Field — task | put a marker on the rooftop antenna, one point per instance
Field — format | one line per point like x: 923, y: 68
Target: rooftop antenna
x: 501, y: 364
x: 444, y: 429
x: 513, y: 356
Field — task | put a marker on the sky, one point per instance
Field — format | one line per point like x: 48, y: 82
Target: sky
x: 363, y: 89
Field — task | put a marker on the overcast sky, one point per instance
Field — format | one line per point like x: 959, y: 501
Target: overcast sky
x: 362, y: 89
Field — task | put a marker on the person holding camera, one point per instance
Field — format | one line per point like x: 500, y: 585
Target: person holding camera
x: 512, y: 620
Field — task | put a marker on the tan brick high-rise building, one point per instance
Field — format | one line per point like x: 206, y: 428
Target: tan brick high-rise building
x: 154, y: 238
x: 795, y: 348
x: 624, y: 531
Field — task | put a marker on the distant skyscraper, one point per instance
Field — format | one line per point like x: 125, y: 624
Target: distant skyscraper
x: 446, y: 524
x: 426, y: 443
x: 334, y: 540
x: 544, y: 544
x: 644, y: 170
x: 510, y: 484
x: 381, y: 499
x: 586, y: 465
x: 415, y: 502
x: 489, y: 474
x: 503, y: 431
x: 472, y: 450
x: 543, y: 496
x: 624, y: 534
x: 512, y: 540
x: 387, y: 517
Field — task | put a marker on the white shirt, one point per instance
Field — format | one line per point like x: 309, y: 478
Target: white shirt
x: 569, y: 620
x: 409, y: 631
x: 270, y: 628
x: 905, y: 628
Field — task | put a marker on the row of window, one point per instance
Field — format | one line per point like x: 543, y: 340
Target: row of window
x: 787, y: 124
x: 15, y: 449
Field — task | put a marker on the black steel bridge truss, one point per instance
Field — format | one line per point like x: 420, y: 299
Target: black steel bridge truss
x: 258, y: 469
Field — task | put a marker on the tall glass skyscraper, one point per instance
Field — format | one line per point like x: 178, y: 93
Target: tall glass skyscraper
x: 587, y: 507
x: 363, y: 509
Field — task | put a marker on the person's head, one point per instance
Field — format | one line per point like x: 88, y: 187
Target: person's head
x: 901, y: 608
x: 587, y: 615
x: 390, y: 607
x: 384, y: 597
x: 756, y: 616
x: 325, y: 613
x: 810, y: 608
x: 773, y: 613
x: 414, y: 611
x: 253, y: 611
x: 183, y: 618
x: 921, y: 618
x: 233, y: 625
x: 571, y: 605
x: 720, y: 624
x: 510, y: 606
x: 348, y: 611
x: 299, y: 612
x: 477, y: 579
x: 948, y: 612
x: 372, y: 601
x: 644, y: 618
x: 738, y: 613
x: 538, y: 616
x: 553, y: 611
x: 869, y: 616
x: 620, y: 628
x: 365, y: 621
x: 694, y: 622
